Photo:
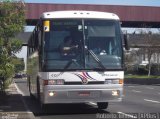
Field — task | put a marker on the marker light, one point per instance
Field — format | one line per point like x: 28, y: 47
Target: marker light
x: 121, y: 81
x: 46, y: 26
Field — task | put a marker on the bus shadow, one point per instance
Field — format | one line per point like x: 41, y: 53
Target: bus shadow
x: 69, y: 109
x: 61, y: 109
x: 11, y: 103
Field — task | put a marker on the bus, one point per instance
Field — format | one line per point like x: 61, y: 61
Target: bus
x: 88, y: 69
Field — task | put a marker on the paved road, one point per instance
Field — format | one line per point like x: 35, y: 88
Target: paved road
x: 139, y: 99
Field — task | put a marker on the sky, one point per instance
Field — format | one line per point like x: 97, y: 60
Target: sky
x: 107, y: 2
x: 155, y: 3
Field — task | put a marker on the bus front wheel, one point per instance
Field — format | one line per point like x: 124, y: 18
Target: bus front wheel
x: 29, y: 87
x: 102, y: 105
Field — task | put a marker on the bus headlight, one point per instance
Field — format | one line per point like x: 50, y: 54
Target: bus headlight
x: 51, y: 93
x: 113, y: 81
x: 54, y: 82
x: 115, y: 92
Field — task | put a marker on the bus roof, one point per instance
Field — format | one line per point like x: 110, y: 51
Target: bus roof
x: 79, y: 14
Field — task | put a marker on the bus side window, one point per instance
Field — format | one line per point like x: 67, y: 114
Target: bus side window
x: 30, y: 44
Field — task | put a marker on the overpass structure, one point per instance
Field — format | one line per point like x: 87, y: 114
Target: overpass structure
x: 130, y: 16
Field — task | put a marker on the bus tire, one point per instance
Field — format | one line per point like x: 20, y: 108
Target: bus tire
x: 44, y: 107
x: 102, y: 105
x: 38, y: 91
x: 29, y: 88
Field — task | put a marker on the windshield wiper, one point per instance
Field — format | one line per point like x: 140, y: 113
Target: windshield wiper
x: 70, y: 62
x: 96, y: 58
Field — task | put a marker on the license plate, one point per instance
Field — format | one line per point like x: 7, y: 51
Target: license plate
x: 84, y: 93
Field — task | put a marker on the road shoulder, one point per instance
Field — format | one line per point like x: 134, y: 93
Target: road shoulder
x: 12, y: 104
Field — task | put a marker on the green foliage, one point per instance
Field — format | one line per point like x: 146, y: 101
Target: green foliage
x: 142, y: 70
x: 7, y: 83
x: 142, y: 77
x: 18, y: 64
x: 12, y: 19
x: 16, y: 45
x: 6, y: 67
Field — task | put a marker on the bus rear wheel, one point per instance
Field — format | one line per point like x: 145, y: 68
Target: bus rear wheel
x: 102, y: 105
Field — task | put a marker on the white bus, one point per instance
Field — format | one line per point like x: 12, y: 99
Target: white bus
x: 76, y: 57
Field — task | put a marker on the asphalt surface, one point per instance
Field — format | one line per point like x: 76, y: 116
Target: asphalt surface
x: 12, y: 105
x: 140, y: 101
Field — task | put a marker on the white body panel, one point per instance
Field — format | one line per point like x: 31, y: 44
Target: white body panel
x: 79, y: 14
x: 78, y: 76
x: 69, y: 93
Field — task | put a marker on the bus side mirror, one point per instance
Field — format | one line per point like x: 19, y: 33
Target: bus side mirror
x: 126, y: 42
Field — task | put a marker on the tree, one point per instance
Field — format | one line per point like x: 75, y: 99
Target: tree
x: 146, y: 48
x: 150, y: 46
x: 12, y: 19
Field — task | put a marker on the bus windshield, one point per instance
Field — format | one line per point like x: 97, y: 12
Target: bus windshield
x: 83, y: 44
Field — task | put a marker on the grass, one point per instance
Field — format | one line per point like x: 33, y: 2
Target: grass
x: 7, y: 83
x: 142, y: 76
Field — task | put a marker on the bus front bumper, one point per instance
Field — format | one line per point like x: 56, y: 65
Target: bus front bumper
x: 82, y: 93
